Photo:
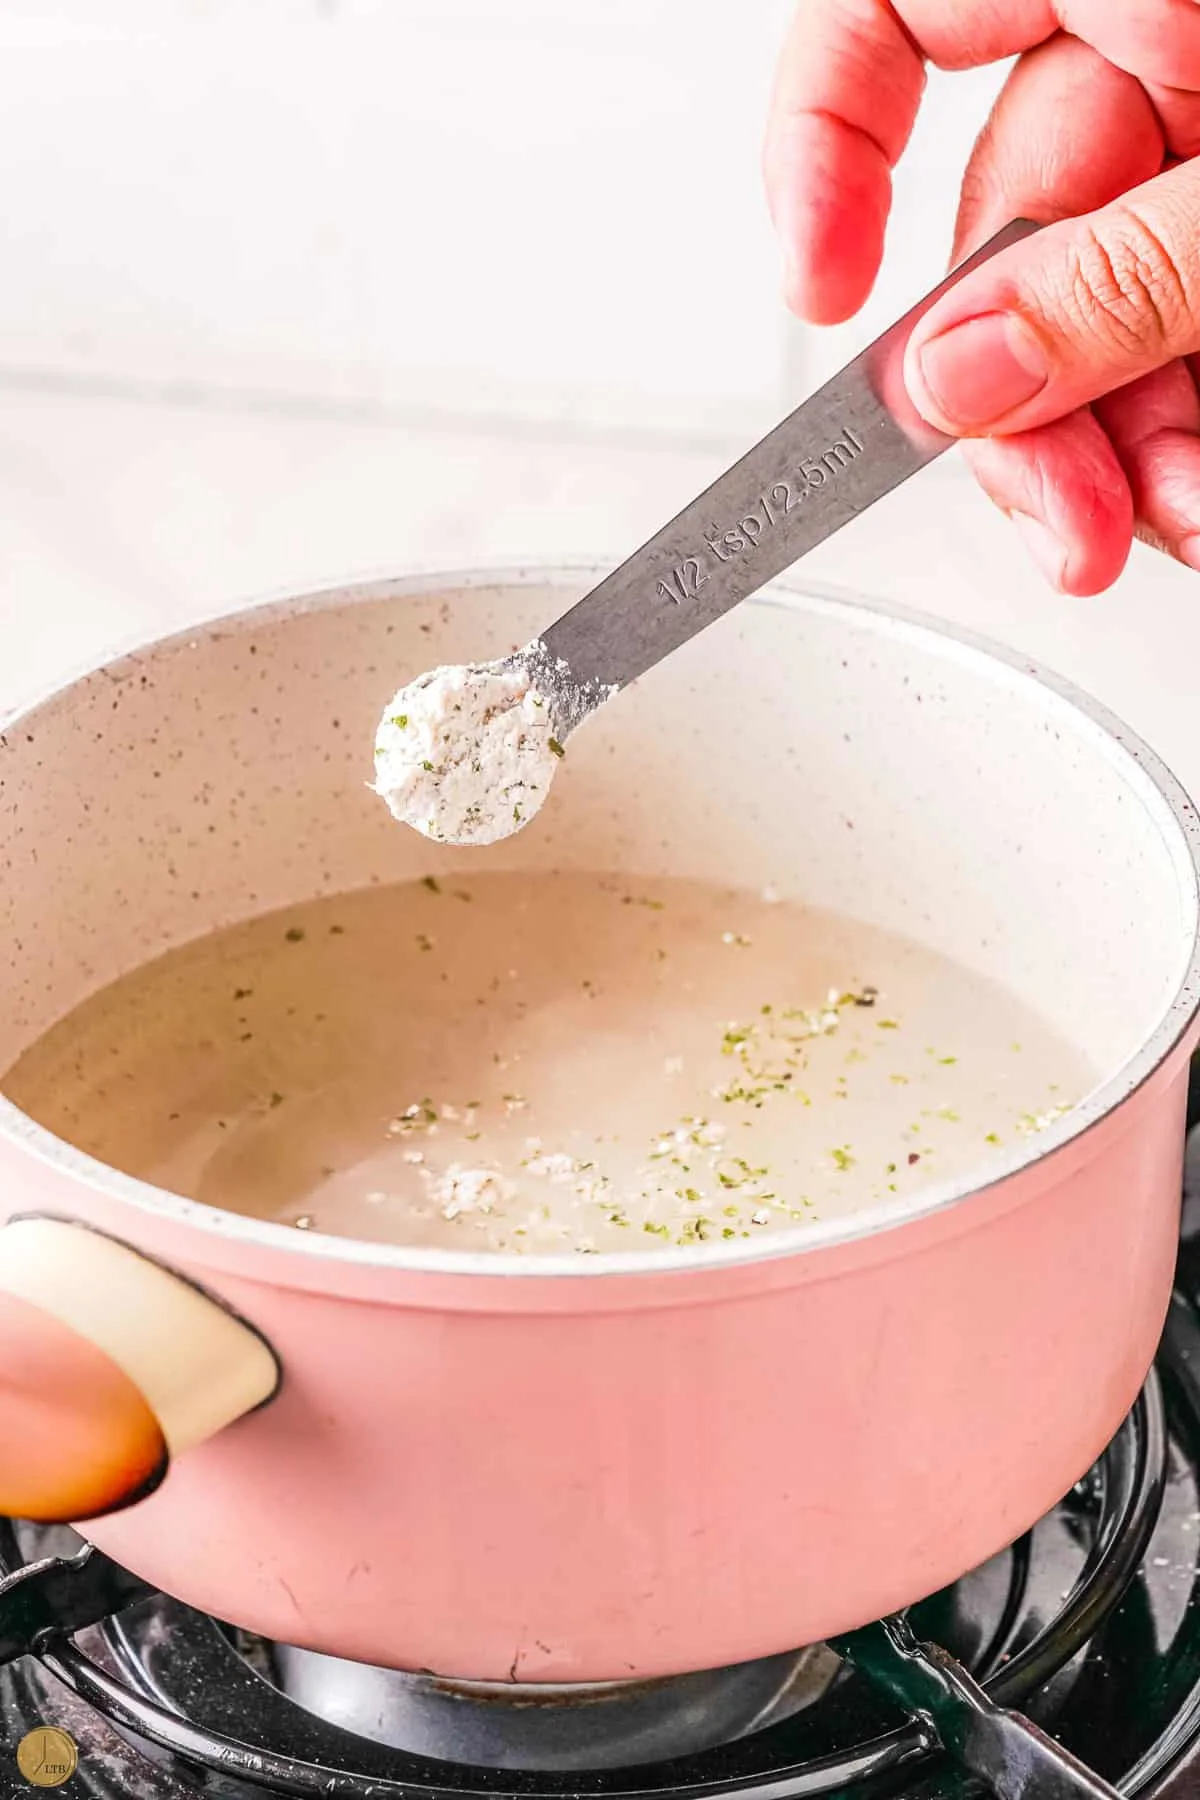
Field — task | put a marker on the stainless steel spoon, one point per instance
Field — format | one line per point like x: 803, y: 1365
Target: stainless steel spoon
x: 854, y: 441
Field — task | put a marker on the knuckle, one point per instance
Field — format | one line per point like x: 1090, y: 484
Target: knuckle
x: 1121, y: 285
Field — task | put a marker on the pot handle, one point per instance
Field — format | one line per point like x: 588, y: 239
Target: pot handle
x: 1008, y: 1753
x: 110, y: 1366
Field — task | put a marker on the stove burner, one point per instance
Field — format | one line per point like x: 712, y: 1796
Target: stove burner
x: 598, y: 1725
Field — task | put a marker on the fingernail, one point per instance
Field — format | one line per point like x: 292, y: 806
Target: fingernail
x: 1189, y: 552
x: 1048, y: 551
x: 978, y: 372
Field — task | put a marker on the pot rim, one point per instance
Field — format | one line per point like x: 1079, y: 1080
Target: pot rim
x: 1161, y: 794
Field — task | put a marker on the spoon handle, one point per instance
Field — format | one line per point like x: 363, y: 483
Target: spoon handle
x: 852, y: 442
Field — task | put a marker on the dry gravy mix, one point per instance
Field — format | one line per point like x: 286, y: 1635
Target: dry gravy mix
x: 537, y: 1063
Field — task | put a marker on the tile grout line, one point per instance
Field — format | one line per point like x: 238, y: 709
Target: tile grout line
x: 310, y: 408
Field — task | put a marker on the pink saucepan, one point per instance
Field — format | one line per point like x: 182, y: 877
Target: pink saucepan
x: 590, y: 1468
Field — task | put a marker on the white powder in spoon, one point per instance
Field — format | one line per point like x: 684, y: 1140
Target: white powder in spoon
x: 466, y: 755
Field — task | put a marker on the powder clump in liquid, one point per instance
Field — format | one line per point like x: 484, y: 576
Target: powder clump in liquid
x: 466, y: 754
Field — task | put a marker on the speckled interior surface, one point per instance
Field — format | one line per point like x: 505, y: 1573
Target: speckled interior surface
x: 855, y: 761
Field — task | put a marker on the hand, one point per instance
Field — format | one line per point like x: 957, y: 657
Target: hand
x: 1092, y: 128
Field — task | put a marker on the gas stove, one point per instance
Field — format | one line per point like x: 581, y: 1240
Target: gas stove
x: 1089, y: 1627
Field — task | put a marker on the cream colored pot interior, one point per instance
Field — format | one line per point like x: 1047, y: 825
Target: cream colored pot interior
x: 855, y: 760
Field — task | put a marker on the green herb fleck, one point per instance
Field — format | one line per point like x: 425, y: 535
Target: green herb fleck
x: 556, y: 747
x: 399, y: 720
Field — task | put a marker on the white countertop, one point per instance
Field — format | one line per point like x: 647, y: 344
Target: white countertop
x: 121, y: 517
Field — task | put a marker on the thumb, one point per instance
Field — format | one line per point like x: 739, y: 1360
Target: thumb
x: 1069, y: 314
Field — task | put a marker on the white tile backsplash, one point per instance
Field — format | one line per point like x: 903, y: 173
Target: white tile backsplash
x: 517, y: 211
x: 405, y: 204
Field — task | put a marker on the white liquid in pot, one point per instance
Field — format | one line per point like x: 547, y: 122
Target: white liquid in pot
x: 532, y: 1063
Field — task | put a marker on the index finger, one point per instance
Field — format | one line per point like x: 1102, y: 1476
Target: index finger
x: 846, y: 96
x: 848, y: 86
